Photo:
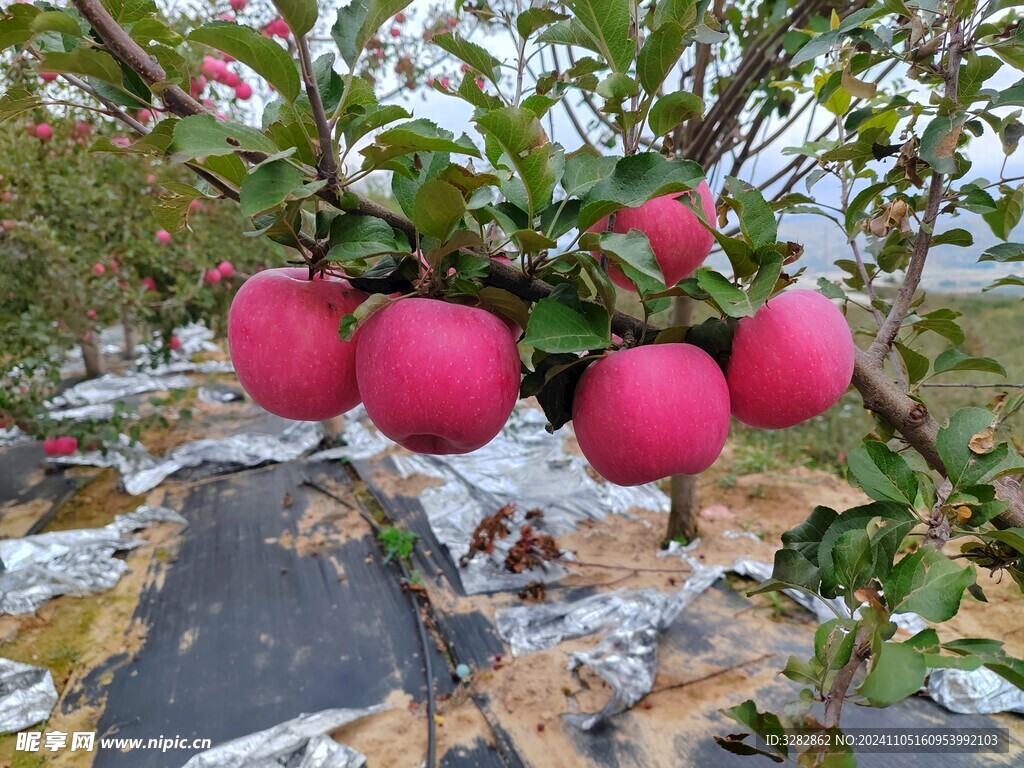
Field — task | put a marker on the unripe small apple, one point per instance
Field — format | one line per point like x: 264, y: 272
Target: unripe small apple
x: 44, y: 132
x: 437, y: 377
x: 243, y: 91
x: 65, y: 446
x: 679, y: 241
x: 649, y: 412
x: 283, y: 336
x: 98, y: 269
x: 174, y: 344
x: 48, y: 77
x: 163, y: 236
x: 790, y: 362
x: 226, y: 268
x: 212, y: 276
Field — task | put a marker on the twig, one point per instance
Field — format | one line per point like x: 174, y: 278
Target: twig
x: 328, y: 163
x: 844, y: 677
x: 711, y: 676
x: 974, y: 386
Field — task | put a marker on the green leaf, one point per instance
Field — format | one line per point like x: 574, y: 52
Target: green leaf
x: 89, y: 62
x: 1005, y: 218
x: 56, y: 21
x: 583, y: 170
x: 883, y: 474
x: 359, y: 237
x: 17, y: 101
x: 477, y: 57
x: 617, y: 87
x: 414, y: 137
x: 806, y: 537
x: 955, y: 360
x: 632, y: 248
x: 438, y: 209
x: 792, y: 568
x: 887, y: 524
x: 1003, y: 253
x: 532, y: 19
x: 853, y: 560
x: 757, y: 219
x: 262, y: 54
x: 635, y: 180
x: 659, y: 54
x: 557, y: 327
x: 762, y: 723
x: 681, y: 12
x: 897, y: 671
x: 917, y: 364
x: 608, y: 23
x: 928, y: 583
x: 816, y: 46
x: 963, y: 465
x: 359, y: 21
x: 728, y: 297
x: 764, y: 282
x: 300, y: 15
x: 268, y: 186
x: 942, y: 322
x: 939, y: 142
x: 375, y: 118
x: 202, y: 135
x: 523, y: 145
x: 16, y: 29
x: 672, y: 109
x: 1012, y: 536
x: 958, y: 237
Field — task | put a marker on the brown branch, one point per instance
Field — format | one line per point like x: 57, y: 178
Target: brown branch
x: 844, y: 678
x: 328, y: 163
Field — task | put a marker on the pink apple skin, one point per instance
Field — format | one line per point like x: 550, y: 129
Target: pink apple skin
x: 437, y: 377
x: 98, y: 268
x: 226, y: 268
x: 65, y: 446
x: 174, y: 344
x: 283, y: 336
x: 649, y: 412
x: 163, y: 236
x: 44, y: 132
x: 212, y: 276
x: 679, y: 241
x: 790, y: 362
x: 50, y: 446
x: 48, y: 77
x: 243, y: 91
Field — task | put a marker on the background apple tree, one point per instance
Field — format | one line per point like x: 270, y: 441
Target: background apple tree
x: 659, y: 95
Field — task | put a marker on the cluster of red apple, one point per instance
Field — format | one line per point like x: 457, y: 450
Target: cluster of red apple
x: 217, y: 70
x: 223, y: 270
x: 438, y: 377
x: 60, y: 446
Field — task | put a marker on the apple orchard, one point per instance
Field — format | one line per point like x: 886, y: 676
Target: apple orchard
x: 502, y: 268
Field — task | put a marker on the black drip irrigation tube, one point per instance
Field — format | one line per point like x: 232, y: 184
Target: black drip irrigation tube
x: 424, y: 639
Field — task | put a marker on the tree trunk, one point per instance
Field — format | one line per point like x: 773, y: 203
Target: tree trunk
x: 91, y: 356
x: 682, y: 520
x: 129, y: 335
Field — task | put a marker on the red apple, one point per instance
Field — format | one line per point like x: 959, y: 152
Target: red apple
x: 679, y: 241
x: 283, y: 336
x: 98, y: 268
x: 174, y: 344
x: 791, y: 361
x: 148, y: 283
x: 231, y: 79
x: 91, y: 314
x: 50, y: 446
x: 151, y: 179
x: 65, y: 446
x: 144, y: 116
x: 48, y: 77
x: 212, y: 276
x: 650, y: 412
x: 237, y: 5
x: 243, y: 91
x: 226, y: 268
x: 163, y: 236
x: 437, y: 377
x: 8, y: 224
x: 44, y: 132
